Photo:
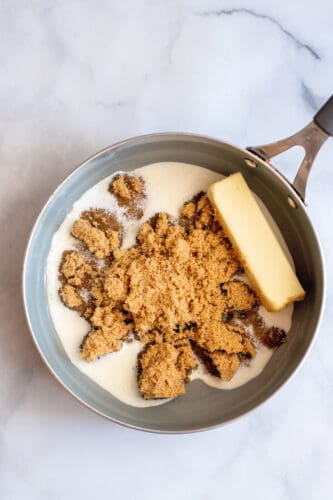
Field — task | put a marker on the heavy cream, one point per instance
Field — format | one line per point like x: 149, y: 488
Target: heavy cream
x: 168, y: 186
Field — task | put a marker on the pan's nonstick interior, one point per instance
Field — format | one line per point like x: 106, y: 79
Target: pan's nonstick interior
x: 202, y: 407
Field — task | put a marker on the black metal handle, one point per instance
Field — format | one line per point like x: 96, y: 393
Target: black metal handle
x: 324, y: 117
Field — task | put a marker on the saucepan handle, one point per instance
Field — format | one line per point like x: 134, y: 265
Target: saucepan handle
x: 311, y: 138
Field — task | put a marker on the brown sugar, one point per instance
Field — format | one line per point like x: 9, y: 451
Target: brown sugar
x: 218, y: 363
x: 71, y: 297
x: 159, y: 375
x: 186, y: 361
x: 129, y: 192
x: 248, y: 348
x: 95, y: 240
x: 239, y: 296
x: 219, y: 336
x: 102, y: 219
x: 126, y: 187
x: 75, y: 270
x: 226, y: 364
x: 109, y: 329
x: 177, y: 291
x: 98, y: 231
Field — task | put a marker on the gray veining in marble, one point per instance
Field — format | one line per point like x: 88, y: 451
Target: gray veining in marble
x: 78, y: 76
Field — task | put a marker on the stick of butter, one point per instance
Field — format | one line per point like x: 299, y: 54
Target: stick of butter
x: 257, y: 247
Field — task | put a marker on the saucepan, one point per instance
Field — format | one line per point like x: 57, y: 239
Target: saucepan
x: 202, y: 407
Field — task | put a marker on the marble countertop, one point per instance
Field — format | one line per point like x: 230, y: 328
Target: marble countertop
x: 78, y: 76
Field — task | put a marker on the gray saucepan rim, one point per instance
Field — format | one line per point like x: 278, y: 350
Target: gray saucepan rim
x: 185, y: 135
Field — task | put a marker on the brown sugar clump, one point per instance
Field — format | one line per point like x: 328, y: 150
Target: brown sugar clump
x: 98, y: 231
x: 109, y: 329
x: 95, y: 240
x: 239, y: 296
x: 186, y: 361
x: 199, y: 214
x: 129, y: 192
x: 158, y: 295
x: 159, y: 376
x: 271, y: 337
x: 248, y: 348
x: 225, y: 364
x: 126, y: 187
x: 188, y: 210
x: 76, y: 275
x: 103, y: 220
x: 176, y: 291
x: 75, y: 270
x: 218, y: 336
x: 274, y: 337
x: 218, y: 363
x: 98, y: 342
x: 71, y: 297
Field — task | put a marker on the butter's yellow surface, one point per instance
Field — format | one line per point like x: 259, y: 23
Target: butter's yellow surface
x: 257, y: 247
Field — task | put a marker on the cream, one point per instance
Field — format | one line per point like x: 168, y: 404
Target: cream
x: 168, y: 186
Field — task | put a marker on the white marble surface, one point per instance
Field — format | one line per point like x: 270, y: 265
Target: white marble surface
x: 78, y: 76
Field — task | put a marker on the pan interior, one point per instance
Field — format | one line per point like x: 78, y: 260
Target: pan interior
x: 202, y: 406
